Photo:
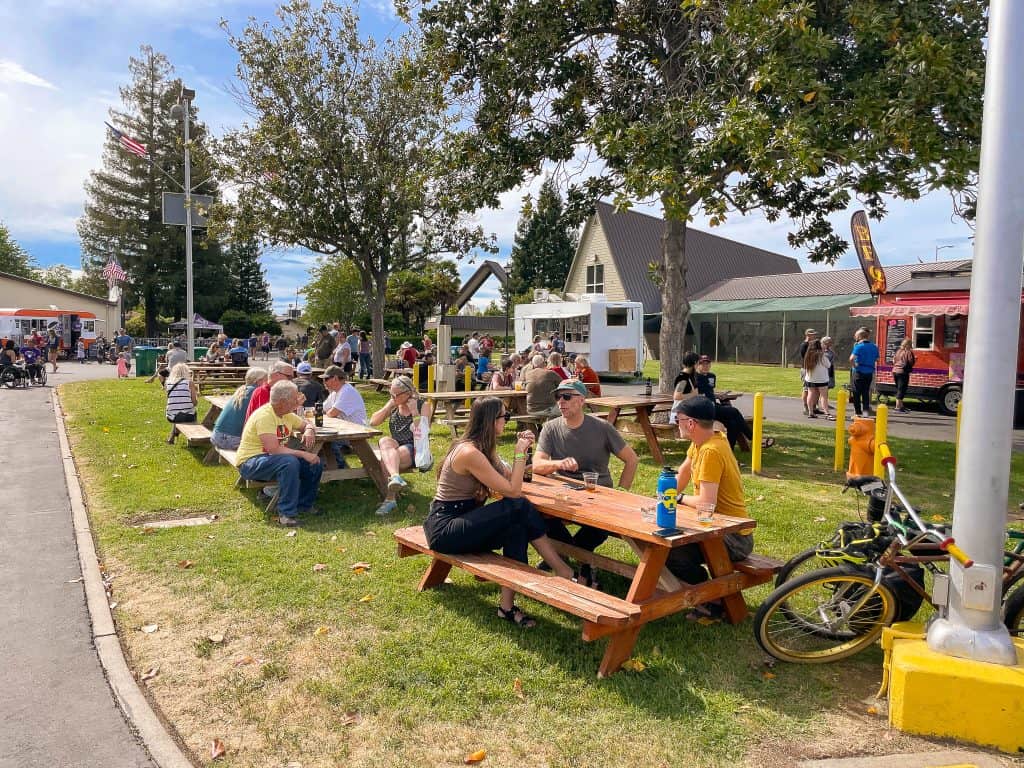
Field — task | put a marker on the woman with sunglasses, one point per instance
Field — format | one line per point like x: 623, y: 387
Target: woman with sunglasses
x: 460, y: 522
x: 398, y: 452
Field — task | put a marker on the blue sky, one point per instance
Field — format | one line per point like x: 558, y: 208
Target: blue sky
x: 62, y: 62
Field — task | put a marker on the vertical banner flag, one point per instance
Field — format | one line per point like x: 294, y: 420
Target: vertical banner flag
x: 113, y: 273
x: 869, y: 262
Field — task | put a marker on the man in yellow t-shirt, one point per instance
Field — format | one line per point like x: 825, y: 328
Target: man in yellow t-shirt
x: 715, y: 473
x: 264, y: 454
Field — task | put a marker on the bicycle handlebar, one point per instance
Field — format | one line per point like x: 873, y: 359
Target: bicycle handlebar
x: 955, y: 552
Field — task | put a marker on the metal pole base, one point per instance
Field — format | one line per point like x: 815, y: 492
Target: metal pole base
x: 990, y: 645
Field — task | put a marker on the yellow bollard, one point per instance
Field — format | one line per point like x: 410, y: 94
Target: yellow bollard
x: 416, y: 374
x: 430, y: 378
x: 840, y: 452
x: 956, y: 438
x: 881, y: 427
x: 756, y: 441
x: 469, y: 384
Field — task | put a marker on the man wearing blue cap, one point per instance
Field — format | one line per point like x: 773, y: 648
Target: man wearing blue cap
x: 575, y: 443
x: 712, y: 466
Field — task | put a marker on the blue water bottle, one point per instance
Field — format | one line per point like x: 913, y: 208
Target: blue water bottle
x: 667, y: 498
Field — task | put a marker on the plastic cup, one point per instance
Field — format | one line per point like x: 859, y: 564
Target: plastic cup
x: 590, y: 480
x: 649, y: 513
x: 705, y: 512
x: 310, y: 414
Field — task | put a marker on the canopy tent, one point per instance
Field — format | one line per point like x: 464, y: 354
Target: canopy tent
x: 199, y: 322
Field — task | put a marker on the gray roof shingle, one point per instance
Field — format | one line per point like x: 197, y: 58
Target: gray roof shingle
x: 635, y: 240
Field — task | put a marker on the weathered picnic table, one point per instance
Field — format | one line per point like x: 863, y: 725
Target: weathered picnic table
x: 653, y: 593
x: 640, y: 406
x: 451, y: 402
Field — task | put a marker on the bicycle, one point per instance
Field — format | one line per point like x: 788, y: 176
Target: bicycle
x: 833, y: 613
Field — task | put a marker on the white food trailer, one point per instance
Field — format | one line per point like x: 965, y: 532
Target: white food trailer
x: 609, y: 333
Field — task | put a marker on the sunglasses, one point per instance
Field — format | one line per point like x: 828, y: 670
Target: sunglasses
x: 505, y: 415
x: 567, y: 396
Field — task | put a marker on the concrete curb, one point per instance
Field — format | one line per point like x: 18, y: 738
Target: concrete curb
x: 162, y: 747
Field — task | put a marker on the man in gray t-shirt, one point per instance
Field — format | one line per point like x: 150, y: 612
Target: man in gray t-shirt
x: 577, y: 443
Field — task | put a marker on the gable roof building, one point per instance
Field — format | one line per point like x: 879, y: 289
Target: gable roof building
x: 615, y: 250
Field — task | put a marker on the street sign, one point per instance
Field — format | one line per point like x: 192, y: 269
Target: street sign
x: 174, y: 208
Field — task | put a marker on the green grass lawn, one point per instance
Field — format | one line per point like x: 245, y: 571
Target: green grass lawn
x: 335, y: 667
x: 769, y: 379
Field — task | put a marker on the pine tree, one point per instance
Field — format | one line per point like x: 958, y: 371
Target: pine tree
x: 15, y: 260
x: 252, y: 292
x: 123, y: 210
x: 544, y: 246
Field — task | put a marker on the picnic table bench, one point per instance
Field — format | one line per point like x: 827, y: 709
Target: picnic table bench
x: 654, y: 592
x: 453, y: 403
x: 639, y: 406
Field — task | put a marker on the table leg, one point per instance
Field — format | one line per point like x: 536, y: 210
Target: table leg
x: 436, y: 573
x: 361, y: 447
x: 613, y: 415
x: 716, y: 556
x: 642, y: 418
x: 211, y: 417
x: 645, y: 582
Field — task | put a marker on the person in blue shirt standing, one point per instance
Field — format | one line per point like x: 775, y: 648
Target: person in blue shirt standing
x: 863, y: 359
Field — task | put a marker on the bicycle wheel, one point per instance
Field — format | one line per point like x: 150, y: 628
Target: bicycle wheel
x: 823, y: 616
x: 797, y: 565
x: 41, y: 377
x: 8, y: 379
x: 1013, y: 613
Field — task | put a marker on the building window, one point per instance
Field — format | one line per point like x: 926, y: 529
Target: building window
x: 617, y: 317
x: 924, y: 332
x: 595, y: 278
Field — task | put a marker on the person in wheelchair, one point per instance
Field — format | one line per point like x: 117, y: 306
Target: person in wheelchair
x: 9, y: 360
x: 33, y: 359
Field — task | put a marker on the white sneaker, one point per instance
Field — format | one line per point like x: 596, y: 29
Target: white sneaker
x: 397, y: 483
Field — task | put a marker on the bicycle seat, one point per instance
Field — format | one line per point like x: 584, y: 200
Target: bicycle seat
x: 864, y: 483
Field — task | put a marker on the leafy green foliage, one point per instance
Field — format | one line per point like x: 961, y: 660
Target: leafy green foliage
x: 788, y: 106
x: 237, y: 324
x: 415, y: 294
x: 252, y: 292
x: 335, y: 293
x: 346, y: 154
x: 15, y: 260
x: 544, y: 246
x: 123, y: 210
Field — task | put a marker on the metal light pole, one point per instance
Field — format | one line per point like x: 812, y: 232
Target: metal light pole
x: 183, y: 110
x: 941, y: 247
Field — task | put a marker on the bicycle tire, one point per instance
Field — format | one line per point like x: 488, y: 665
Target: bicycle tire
x: 1013, y: 613
x: 797, y: 565
x: 8, y: 379
x: 41, y: 378
x: 807, y: 620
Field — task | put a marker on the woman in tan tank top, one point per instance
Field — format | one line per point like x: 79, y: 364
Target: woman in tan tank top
x: 460, y: 522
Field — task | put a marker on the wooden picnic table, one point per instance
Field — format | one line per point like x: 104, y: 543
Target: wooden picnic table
x: 451, y: 400
x: 641, y: 406
x: 356, y: 435
x: 654, y: 592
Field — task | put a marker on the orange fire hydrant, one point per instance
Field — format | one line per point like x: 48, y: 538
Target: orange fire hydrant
x: 862, y: 447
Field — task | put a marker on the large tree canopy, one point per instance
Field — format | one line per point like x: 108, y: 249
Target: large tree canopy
x: 790, y: 106
x: 346, y: 156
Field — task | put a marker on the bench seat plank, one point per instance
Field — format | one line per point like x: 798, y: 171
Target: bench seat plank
x: 195, y: 434
x: 589, y: 604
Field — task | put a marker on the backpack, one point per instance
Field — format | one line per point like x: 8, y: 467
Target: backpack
x: 324, y: 348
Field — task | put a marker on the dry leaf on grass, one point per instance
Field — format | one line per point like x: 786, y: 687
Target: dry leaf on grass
x: 360, y: 567
x: 476, y: 757
x: 768, y: 675
x: 872, y: 710
x: 217, y: 749
x: 371, y: 533
x: 937, y: 518
x: 148, y: 530
x: 319, y: 567
x: 365, y: 598
x: 321, y: 631
x: 185, y: 564
x: 634, y: 665
x: 217, y: 638
x: 113, y: 606
x: 150, y: 673
x: 334, y: 538
x: 351, y: 718
x: 149, y: 629
x: 820, y: 519
x: 241, y: 662
x: 517, y: 689
x: 704, y: 621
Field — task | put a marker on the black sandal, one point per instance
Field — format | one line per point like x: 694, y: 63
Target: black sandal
x: 516, y: 616
x: 587, y: 577
x: 768, y: 442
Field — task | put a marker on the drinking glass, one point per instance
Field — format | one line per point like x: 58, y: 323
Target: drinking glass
x: 705, y: 512
x: 649, y: 513
x: 590, y: 480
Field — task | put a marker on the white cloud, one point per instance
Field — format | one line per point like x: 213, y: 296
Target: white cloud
x: 13, y: 72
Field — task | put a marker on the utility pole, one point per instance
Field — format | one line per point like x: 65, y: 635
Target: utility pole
x: 941, y: 247
x: 183, y: 110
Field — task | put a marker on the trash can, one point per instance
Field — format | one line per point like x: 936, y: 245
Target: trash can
x: 199, y: 353
x: 145, y: 360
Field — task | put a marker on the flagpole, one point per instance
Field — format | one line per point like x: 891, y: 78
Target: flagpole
x: 185, y: 105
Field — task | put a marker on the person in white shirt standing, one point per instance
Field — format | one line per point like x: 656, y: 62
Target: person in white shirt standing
x: 473, y: 343
x: 343, y: 402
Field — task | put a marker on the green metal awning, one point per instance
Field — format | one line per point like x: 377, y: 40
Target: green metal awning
x: 791, y: 304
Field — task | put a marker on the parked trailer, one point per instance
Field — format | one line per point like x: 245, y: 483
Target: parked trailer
x: 609, y: 333
x: 70, y: 325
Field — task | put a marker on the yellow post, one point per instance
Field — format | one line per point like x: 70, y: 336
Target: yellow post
x: 840, y: 453
x: 469, y: 384
x: 756, y: 441
x: 881, y: 426
x: 956, y: 439
x: 430, y: 378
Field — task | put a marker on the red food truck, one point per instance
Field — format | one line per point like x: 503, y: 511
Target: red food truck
x: 932, y: 309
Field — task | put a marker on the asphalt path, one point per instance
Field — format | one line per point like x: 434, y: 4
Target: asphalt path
x: 56, y: 708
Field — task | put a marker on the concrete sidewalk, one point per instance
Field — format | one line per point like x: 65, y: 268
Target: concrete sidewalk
x: 56, y: 708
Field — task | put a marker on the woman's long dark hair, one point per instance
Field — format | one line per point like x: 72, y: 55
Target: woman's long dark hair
x: 813, y: 356
x: 480, y: 431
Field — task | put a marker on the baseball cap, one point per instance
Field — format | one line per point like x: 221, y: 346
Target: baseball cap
x: 699, y: 408
x: 704, y: 359
x: 574, y: 386
x: 304, y: 367
x: 810, y: 332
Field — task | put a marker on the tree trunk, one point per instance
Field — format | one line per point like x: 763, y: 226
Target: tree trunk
x: 150, y: 310
x: 376, y: 300
x: 675, y: 307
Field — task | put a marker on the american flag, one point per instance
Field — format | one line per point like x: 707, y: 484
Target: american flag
x: 129, y: 143
x: 113, y: 273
